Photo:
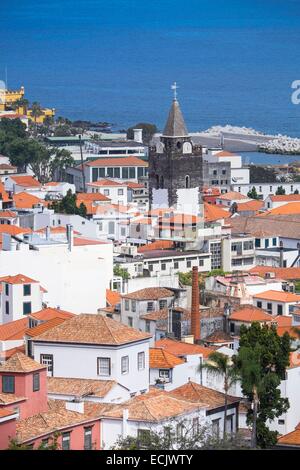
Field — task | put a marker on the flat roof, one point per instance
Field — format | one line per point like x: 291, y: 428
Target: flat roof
x: 117, y: 143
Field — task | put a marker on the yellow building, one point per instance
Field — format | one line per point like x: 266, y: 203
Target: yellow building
x: 46, y: 112
x: 10, y: 97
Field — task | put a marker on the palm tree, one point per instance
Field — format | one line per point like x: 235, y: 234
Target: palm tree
x: 36, y: 111
x: 248, y: 365
x: 221, y: 366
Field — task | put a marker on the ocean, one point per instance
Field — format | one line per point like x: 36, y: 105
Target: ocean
x: 115, y: 60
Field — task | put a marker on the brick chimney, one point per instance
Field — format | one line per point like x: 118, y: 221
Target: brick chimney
x: 195, y: 310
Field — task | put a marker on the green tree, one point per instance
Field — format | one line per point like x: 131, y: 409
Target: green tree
x: 21, y: 103
x: 52, y: 444
x: 280, y: 191
x: 261, y: 362
x: 262, y: 174
x: 62, y: 131
x: 36, y: 112
x: 253, y: 193
x: 148, y: 131
x: 118, y: 271
x: 68, y: 205
x: 221, y: 365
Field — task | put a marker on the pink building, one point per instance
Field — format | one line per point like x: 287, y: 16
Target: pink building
x: 26, y: 415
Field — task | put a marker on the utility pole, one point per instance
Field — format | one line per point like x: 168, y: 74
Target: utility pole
x: 82, y: 167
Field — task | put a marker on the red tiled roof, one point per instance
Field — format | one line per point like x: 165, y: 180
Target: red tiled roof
x: 45, y: 326
x: 112, y: 297
x: 86, y: 241
x: 106, y: 182
x: 198, y: 393
x: 27, y: 201
x: 225, y: 153
x: 285, y: 197
x: 290, y: 439
x: 213, y: 213
x: 110, y: 162
x: 281, y: 273
x: 180, y: 348
x: 249, y: 314
x: 26, y: 181
x: 7, y: 214
x: 250, y: 206
x: 49, y: 313
x: 18, y: 279
x: 13, y: 330
x: 232, y: 196
x: 20, y: 363
x: 149, y: 293
x: 156, y: 245
x: 161, y: 359
x: 278, y: 296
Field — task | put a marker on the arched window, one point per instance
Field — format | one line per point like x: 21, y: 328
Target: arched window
x: 162, y: 182
x: 187, y: 181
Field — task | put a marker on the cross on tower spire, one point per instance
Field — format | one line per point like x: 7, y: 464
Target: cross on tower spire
x: 174, y: 87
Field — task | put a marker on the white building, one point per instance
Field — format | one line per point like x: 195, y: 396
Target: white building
x: 264, y: 189
x: 96, y: 347
x: 74, y: 273
x: 239, y: 174
x: 277, y: 302
x: 115, y: 191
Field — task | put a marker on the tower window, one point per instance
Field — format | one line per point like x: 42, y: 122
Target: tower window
x: 187, y: 181
x: 178, y: 145
x: 157, y: 182
x: 162, y: 182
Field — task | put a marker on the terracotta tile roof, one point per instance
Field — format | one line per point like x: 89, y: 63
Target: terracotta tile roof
x: 179, y: 219
x: 13, y: 330
x: 219, y: 336
x: 287, y: 329
x: 79, y: 387
x: 45, y: 326
x: 112, y: 297
x: 4, y: 355
x: 282, y: 320
x: 86, y: 241
x: 156, y: 245
x: 10, y: 398
x: 13, y: 229
x: 133, y: 185
x: 6, y: 166
x: 8, y: 214
x: 232, y: 196
x: 294, y: 359
x: 163, y: 314
x: 181, y: 349
x: 92, y: 329
x: 149, y: 293
x: 6, y: 412
x: 54, y: 230
x: 250, y: 206
x: 55, y: 419
x: 161, y: 359
x: 281, y: 273
x: 27, y: 201
x: 225, y: 153
x: 18, y: 279
x: 285, y: 197
x: 49, y: 313
x: 27, y: 181
x: 198, y: 393
x: 261, y: 225
x: 20, y: 363
x: 153, y: 408
x: 292, y: 438
x: 290, y: 208
x: 249, y: 314
x: 53, y: 183
x: 83, y: 197
x: 213, y: 213
x: 106, y: 182
x: 111, y: 162
x: 3, y: 193
x: 278, y: 296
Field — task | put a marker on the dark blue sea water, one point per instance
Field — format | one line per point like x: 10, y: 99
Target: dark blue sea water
x: 114, y: 60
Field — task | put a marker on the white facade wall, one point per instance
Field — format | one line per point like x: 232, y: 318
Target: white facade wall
x: 264, y: 189
x: 80, y: 361
x: 16, y: 299
x: 75, y: 280
x: 274, y: 306
x: 136, y: 308
x: 117, y: 194
x: 180, y: 374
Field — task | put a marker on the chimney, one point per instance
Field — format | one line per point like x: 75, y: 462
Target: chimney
x: 70, y: 236
x: 47, y: 232
x: 138, y: 135
x: 75, y: 405
x: 281, y: 254
x: 195, y: 310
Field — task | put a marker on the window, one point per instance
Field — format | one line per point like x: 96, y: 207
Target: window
x: 179, y: 430
x: 201, y: 262
x: 7, y: 307
x: 140, y: 172
x: 45, y: 442
x: 163, y: 304
x: 132, y: 172
x: 110, y: 172
x: 6, y: 289
x: 176, y: 265
x: 106, y: 192
x: 124, y: 365
x: 248, y: 245
x: 279, y: 309
x: 258, y: 304
x: 88, y: 438
x: 133, y: 306
x: 47, y: 360
x: 229, y: 424
x: 103, y: 366
x: 127, y: 305
x: 150, y: 267
x: 27, y: 289
x: 188, y: 264
x: 150, y: 306
x: 269, y: 307
x: 65, y: 441
x: 274, y: 241
x: 101, y: 172
x: 187, y: 182
x: 271, y: 189
x: 143, y: 436
x: 117, y: 173
x: 120, y: 192
x: 141, y: 360
x: 267, y: 243
x: 216, y: 427
x: 94, y: 174
x: 164, y: 373
x: 8, y: 384
x: 125, y: 173
x: 147, y: 326
x: 36, y: 381
x: 281, y: 421
x: 215, y: 172
x: 130, y: 321
x: 26, y: 308
x: 163, y: 266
